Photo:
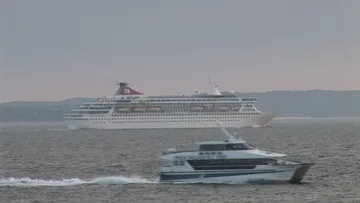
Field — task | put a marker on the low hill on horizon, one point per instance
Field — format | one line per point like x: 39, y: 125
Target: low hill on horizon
x: 310, y: 103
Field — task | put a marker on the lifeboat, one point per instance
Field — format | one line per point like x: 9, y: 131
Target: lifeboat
x: 222, y: 108
x: 154, y: 109
x: 235, y: 108
x: 123, y: 109
x: 196, y: 108
x: 139, y: 109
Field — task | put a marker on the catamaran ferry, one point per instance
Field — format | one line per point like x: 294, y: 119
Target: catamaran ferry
x: 229, y: 161
x: 130, y: 109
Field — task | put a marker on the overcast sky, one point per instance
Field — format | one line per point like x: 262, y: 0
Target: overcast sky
x: 52, y: 50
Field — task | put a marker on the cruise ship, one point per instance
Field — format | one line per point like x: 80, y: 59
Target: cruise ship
x: 131, y: 109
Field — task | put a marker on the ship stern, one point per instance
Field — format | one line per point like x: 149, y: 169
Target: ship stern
x: 300, y: 172
x: 264, y: 119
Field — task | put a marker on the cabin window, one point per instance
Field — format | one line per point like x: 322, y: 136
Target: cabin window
x: 242, y: 146
x: 212, y: 147
x: 215, y: 164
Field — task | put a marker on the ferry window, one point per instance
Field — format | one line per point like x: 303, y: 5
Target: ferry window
x: 212, y: 147
x: 238, y: 147
x: 226, y: 163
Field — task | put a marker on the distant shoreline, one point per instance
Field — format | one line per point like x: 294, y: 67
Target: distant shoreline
x: 288, y: 105
x: 296, y: 118
x: 275, y: 119
x: 6, y: 102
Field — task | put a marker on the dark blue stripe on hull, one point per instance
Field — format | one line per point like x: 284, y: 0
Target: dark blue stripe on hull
x: 169, y: 177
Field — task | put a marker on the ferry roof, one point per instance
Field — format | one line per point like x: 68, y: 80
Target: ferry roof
x: 220, y: 142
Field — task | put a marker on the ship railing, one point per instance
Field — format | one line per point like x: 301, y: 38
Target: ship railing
x: 178, y: 151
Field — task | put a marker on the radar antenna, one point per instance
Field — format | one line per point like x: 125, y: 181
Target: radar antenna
x: 211, y: 83
x: 117, y: 83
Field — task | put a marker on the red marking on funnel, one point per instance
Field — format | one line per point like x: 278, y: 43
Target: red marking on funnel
x: 124, y: 89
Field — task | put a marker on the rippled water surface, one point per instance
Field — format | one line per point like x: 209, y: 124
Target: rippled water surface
x: 46, y: 162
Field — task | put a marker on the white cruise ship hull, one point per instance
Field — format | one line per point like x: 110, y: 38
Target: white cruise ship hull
x: 162, y: 122
x: 286, y: 173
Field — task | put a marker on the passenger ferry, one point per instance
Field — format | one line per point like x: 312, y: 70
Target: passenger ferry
x: 229, y: 161
x: 131, y: 109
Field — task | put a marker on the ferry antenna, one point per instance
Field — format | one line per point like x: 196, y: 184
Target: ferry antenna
x: 230, y: 137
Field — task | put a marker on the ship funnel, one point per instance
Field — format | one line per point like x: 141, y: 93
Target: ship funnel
x: 124, y: 89
x: 216, y: 90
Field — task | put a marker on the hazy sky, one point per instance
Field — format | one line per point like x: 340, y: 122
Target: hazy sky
x: 52, y: 50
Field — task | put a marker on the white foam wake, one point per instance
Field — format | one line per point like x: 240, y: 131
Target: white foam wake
x: 47, y: 130
x: 112, y: 180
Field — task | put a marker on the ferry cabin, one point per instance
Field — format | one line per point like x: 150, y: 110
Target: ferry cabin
x: 219, y: 156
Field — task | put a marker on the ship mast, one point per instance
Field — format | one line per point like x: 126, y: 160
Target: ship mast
x: 230, y: 137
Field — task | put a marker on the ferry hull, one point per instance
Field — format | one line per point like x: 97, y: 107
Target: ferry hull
x: 108, y: 122
x: 293, y: 174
